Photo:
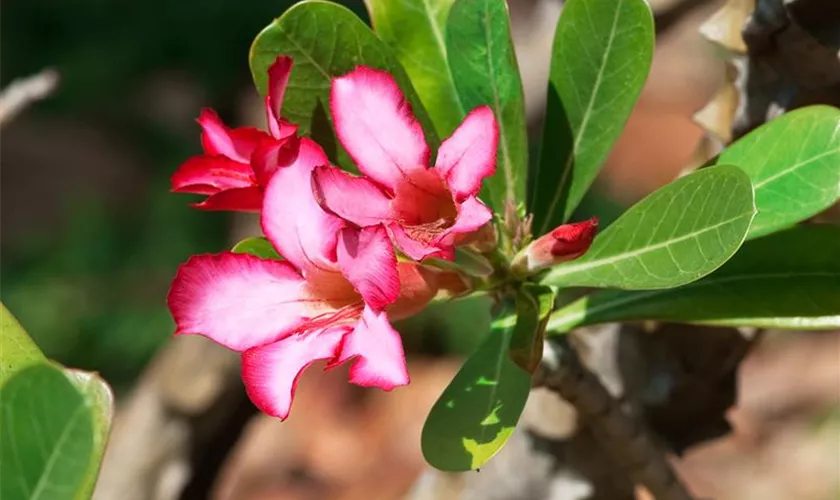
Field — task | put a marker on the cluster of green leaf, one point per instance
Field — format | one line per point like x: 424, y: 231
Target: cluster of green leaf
x: 667, y: 257
x: 54, y: 422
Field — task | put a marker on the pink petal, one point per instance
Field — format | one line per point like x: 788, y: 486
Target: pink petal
x: 248, y: 199
x: 274, y: 153
x: 375, y: 125
x: 278, y: 78
x: 366, y: 257
x: 415, y: 250
x: 378, y: 349
x: 211, y: 174
x: 293, y: 221
x: 352, y: 198
x: 469, y: 155
x: 472, y: 215
x: 271, y: 372
x: 418, y: 286
x: 237, y: 144
x: 238, y: 300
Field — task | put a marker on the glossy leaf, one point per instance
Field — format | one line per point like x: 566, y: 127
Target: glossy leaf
x: 326, y: 40
x: 414, y: 29
x: 676, y: 235
x: 259, y: 247
x: 478, y: 411
x: 601, y: 57
x: 46, y: 436
x: 484, y: 70
x: 17, y: 351
x: 794, y: 163
x: 533, y: 305
x: 100, y: 401
x: 790, y: 279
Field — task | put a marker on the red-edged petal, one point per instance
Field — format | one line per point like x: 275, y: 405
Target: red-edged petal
x: 469, y: 155
x: 238, y: 300
x: 211, y: 174
x: 366, y: 257
x: 472, y: 215
x: 217, y: 139
x: 376, y: 126
x: 416, y: 250
x: 274, y: 153
x: 278, y: 78
x: 271, y: 372
x: 247, y: 199
x: 352, y: 198
x: 293, y: 221
x: 378, y: 349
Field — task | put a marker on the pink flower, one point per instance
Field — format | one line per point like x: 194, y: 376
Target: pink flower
x: 564, y: 243
x: 328, y: 300
x: 424, y: 209
x: 237, y: 163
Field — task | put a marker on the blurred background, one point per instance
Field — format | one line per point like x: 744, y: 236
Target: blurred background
x: 91, y: 237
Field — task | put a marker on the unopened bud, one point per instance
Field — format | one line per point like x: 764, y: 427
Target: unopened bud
x: 564, y: 243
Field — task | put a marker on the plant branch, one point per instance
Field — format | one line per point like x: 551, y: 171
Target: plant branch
x: 623, y: 436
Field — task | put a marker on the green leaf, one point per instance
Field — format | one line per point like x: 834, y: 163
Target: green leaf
x: 46, y: 436
x: 790, y: 279
x: 414, y: 29
x: 326, y: 40
x: 478, y: 411
x: 676, y: 235
x: 100, y: 400
x: 794, y: 163
x: 484, y: 69
x: 601, y: 57
x: 533, y: 305
x: 17, y: 351
x: 260, y: 247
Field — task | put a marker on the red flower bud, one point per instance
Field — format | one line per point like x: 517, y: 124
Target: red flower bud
x: 564, y: 243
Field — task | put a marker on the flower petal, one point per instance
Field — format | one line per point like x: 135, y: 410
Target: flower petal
x: 469, y: 155
x: 378, y: 349
x: 472, y: 215
x: 211, y: 174
x: 415, y: 250
x: 278, y: 78
x: 418, y: 286
x: 248, y: 199
x: 293, y: 221
x: 366, y: 257
x: 274, y: 153
x: 237, y: 144
x: 352, y: 198
x: 271, y: 372
x: 237, y: 300
x: 375, y: 125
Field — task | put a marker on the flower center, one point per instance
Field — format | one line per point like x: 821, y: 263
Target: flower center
x: 424, y: 204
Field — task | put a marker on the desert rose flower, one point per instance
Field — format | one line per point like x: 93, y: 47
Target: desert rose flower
x: 330, y: 299
x: 424, y: 209
x: 237, y: 163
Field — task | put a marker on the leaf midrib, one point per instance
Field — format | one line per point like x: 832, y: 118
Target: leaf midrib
x: 41, y: 484
x: 509, y: 188
x: 584, y: 266
x: 574, y: 318
x: 583, y: 126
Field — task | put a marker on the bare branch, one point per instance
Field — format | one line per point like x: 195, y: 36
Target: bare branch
x: 622, y: 435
